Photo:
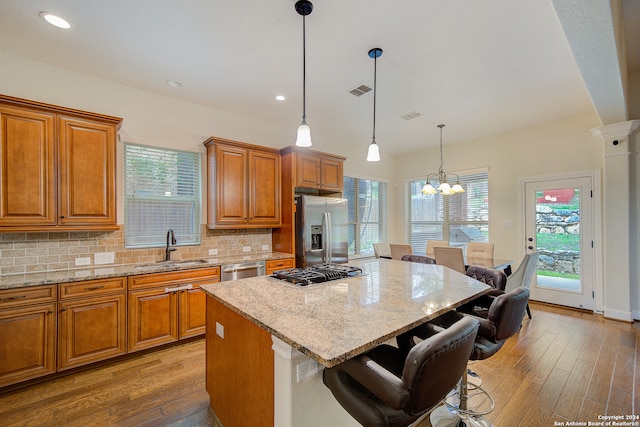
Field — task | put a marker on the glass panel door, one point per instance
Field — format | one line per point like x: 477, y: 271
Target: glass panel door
x: 558, y: 222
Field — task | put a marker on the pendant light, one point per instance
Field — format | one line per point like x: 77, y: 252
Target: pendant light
x: 304, y: 8
x: 373, y: 155
x: 437, y: 182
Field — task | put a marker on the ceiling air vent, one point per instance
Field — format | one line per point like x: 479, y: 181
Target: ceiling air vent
x: 411, y: 115
x: 360, y: 90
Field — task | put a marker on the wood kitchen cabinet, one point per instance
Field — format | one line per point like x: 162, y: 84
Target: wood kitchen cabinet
x: 318, y: 171
x: 57, y: 167
x: 309, y: 172
x: 91, y: 321
x: 244, y: 185
x: 28, y: 331
x: 279, y: 264
x: 167, y: 307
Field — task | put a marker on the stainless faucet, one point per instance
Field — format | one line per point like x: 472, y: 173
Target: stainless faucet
x: 167, y: 252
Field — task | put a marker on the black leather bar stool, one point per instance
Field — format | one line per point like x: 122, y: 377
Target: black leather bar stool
x: 502, y: 320
x: 390, y: 387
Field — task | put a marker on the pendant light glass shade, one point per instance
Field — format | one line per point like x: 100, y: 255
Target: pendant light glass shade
x: 304, y: 8
x: 373, y: 155
x: 304, y: 135
x: 438, y: 182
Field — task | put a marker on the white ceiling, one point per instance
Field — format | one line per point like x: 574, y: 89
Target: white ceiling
x: 481, y: 66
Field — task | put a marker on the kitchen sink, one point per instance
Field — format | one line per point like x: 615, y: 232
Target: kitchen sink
x: 176, y: 263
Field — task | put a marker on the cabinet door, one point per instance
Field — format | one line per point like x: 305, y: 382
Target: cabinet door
x: 27, y: 168
x: 192, y: 312
x: 264, y: 189
x: 87, y: 172
x: 28, y: 344
x: 231, y: 186
x: 153, y: 318
x: 331, y: 175
x: 307, y: 171
x: 91, y: 329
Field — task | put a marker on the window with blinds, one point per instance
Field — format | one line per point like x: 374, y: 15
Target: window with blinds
x: 458, y: 218
x: 367, y: 214
x: 161, y: 192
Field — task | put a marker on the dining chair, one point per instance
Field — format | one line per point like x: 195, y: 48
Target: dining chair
x: 399, y: 250
x: 450, y: 257
x: 435, y: 243
x: 480, y: 250
x: 523, y: 275
x: 382, y: 250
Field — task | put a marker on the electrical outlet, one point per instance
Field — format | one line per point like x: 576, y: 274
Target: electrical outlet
x: 265, y: 247
x: 83, y: 261
x: 306, y: 369
x: 213, y: 252
x: 103, y: 258
x: 246, y: 249
x: 219, y: 330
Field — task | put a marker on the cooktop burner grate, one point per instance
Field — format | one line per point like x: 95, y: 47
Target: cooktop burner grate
x: 316, y: 274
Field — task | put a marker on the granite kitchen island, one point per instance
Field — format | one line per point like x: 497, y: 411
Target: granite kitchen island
x: 264, y: 336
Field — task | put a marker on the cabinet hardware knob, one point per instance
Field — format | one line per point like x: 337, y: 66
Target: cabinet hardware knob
x: 93, y: 288
x: 62, y: 216
x: 50, y: 312
x: 63, y: 309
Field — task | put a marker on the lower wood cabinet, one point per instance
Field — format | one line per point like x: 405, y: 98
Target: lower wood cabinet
x: 92, y: 320
x: 28, y: 343
x: 279, y: 264
x: 167, y: 307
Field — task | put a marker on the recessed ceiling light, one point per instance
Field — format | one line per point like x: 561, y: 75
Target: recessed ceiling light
x: 55, y: 20
x: 280, y: 98
x: 175, y: 83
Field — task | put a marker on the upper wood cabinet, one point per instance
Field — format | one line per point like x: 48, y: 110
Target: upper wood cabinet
x: 244, y: 185
x: 57, y: 168
x: 318, y: 171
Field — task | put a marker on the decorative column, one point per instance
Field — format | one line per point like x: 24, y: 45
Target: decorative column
x: 618, y: 246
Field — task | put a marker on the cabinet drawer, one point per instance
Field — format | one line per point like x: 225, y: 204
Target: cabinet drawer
x: 24, y: 296
x: 173, y: 277
x: 279, y: 264
x: 92, y: 287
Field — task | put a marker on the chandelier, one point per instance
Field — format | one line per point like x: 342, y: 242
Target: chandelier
x: 438, y: 182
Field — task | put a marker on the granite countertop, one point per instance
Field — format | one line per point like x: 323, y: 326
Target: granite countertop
x: 335, y: 321
x: 22, y: 280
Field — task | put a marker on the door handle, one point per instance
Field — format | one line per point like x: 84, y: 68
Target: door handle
x: 530, y: 247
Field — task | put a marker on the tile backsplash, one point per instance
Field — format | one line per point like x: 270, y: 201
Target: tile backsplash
x: 32, y: 252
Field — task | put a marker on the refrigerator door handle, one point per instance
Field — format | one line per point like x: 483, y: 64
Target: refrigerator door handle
x: 329, y: 244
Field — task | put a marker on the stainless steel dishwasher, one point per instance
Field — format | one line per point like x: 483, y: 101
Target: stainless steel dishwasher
x: 243, y: 270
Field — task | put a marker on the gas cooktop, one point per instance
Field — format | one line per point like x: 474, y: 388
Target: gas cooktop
x: 316, y: 274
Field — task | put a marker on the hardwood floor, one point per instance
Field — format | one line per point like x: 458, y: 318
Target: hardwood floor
x: 564, y: 365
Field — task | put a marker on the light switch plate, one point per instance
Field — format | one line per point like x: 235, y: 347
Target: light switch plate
x: 246, y: 249
x: 306, y: 369
x: 265, y: 247
x: 213, y: 252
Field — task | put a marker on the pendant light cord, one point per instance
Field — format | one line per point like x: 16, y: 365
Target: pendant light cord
x: 375, y: 75
x: 304, y: 70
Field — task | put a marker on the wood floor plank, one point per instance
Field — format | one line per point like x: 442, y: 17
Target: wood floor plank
x: 541, y: 406
x: 570, y: 400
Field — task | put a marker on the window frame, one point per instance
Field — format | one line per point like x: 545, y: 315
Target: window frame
x: 446, y: 224
x: 189, y: 235
x: 382, y: 214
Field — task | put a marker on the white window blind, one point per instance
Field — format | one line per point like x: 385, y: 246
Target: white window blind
x: 458, y: 218
x: 161, y: 192
x: 367, y: 212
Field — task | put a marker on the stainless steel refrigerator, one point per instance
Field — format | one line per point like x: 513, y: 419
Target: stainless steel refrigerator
x: 322, y: 233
